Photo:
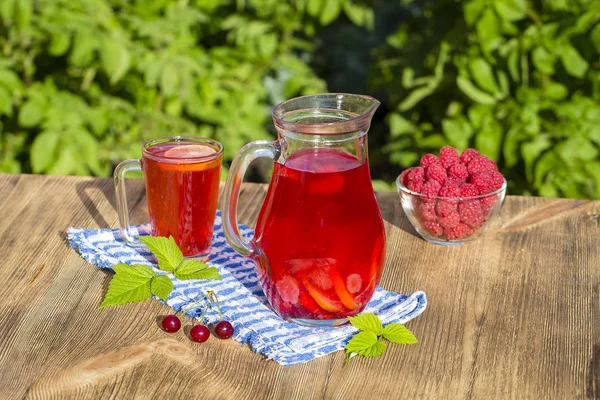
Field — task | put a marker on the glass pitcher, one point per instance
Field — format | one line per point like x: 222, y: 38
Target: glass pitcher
x: 319, y: 242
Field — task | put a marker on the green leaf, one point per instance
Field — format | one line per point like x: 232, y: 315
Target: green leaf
x: 5, y: 102
x: 330, y: 11
x: 66, y: 163
x: 543, y: 60
x: 472, y: 10
x: 512, y: 63
x: 477, y: 95
x: 169, y: 79
x: 482, y: 72
x: 414, y: 97
x: 531, y: 151
x: 399, y: 125
x: 84, y: 45
x: 10, y: 80
x: 130, y: 284
x: 7, y: 11
x: 458, y: 131
x: 511, y: 10
x: 477, y: 113
x: 595, y: 37
x: 367, y: 322
x: 488, y: 31
x: 361, y: 342
x: 59, y: 43
x: 166, y: 251
x: 194, y: 269
x: 314, y: 7
x: 489, y: 139
x: 31, y: 113
x: 115, y: 59
x: 44, y: 150
x: 555, y: 91
x: 374, y: 351
x: 397, y: 333
x: 593, y: 169
x: 575, y: 65
x: 24, y: 12
x: 161, y: 286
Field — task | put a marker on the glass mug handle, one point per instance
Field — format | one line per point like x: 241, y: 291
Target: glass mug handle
x: 122, y: 209
x: 247, y: 154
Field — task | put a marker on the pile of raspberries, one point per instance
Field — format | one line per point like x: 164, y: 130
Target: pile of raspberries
x: 446, y: 184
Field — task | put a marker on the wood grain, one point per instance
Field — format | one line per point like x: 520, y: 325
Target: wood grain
x: 515, y: 315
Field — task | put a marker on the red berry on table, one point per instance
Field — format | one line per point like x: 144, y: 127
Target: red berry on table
x: 481, y: 164
x: 449, y: 156
x: 224, y: 330
x: 431, y: 189
x: 171, y: 323
x: 450, y: 220
x: 497, y: 180
x: 429, y: 159
x: 487, y: 203
x: 458, y: 231
x: 404, y: 177
x: 199, y: 333
x: 416, y: 173
x: 415, y: 186
x: 436, y: 172
x: 482, y: 182
x: 470, y: 213
x: 445, y: 207
x: 468, y: 155
x: 458, y: 171
x: 428, y: 211
x: 450, y: 191
x: 433, y: 227
x: 468, y: 190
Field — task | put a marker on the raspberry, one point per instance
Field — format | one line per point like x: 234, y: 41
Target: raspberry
x: 448, y: 156
x: 404, y: 177
x: 445, y: 207
x: 427, y: 211
x: 429, y: 159
x: 482, y: 182
x: 468, y: 155
x: 481, y: 164
x: 436, y: 172
x: 433, y: 227
x: 415, y: 186
x: 431, y: 189
x: 497, y: 180
x: 450, y: 191
x: 416, y: 173
x: 458, y: 231
x: 458, y: 171
x: 487, y: 203
x: 449, y: 220
x: 470, y: 213
x: 468, y: 190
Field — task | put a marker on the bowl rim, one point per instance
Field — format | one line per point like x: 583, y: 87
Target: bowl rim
x: 406, y: 190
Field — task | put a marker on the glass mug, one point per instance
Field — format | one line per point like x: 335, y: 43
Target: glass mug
x: 319, y: 242
x: 182, y: 176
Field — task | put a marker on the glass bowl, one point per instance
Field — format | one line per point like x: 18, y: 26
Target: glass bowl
x: 435, y: 218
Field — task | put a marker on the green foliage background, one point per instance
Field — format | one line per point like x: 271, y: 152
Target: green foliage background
x: 84, y: 82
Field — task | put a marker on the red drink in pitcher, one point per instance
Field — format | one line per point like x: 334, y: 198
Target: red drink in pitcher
x: 182, y: 185
x: 323, y: 248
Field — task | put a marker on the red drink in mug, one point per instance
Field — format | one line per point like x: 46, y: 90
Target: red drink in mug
x: 182, y: 176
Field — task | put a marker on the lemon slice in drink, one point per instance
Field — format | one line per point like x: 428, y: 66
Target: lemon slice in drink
x: 189, y: 151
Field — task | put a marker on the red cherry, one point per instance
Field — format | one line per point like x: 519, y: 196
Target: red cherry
x: 171, y: 323
x: 224, y: 330
x: 199, y: 333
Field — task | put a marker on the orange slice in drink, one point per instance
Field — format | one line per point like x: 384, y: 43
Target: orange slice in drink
x: 189, y: 157
x: 323, y: 300
x: 340, y: 289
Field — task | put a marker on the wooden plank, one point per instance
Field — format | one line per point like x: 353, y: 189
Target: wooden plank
x: 513, y: 315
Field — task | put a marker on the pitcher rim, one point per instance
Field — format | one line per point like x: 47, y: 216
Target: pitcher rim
x: 350, y: 125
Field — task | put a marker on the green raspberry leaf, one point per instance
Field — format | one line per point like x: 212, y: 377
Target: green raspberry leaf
x: 129, y: 285
x: 374, y: 351
x: 397, y: 333
x: 194, y: 269
x: 165, y: 250
x: 161, y: 286
x: 367, y: 322
x: 361, y: 342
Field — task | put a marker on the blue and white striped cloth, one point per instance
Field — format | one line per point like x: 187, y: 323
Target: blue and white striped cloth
x: 242, y: 300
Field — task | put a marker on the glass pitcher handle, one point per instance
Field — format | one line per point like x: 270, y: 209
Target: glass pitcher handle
x: 243, y: 158
x: 122, y: 209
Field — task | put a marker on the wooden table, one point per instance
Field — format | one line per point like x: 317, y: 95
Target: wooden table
x: 513, y: 315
